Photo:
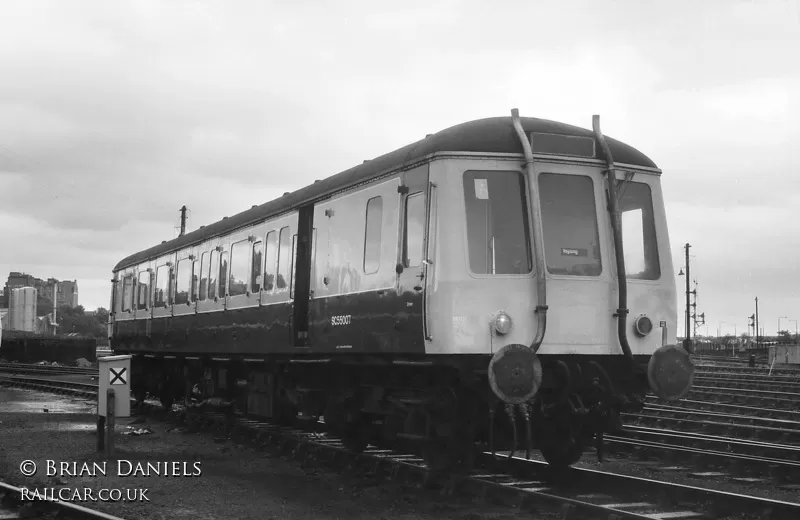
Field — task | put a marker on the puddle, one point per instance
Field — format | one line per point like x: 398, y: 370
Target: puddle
x: 30, y: 401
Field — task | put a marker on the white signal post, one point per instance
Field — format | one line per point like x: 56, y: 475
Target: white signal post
x: 113, y: 398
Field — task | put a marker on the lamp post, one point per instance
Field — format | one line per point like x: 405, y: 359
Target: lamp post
x: 778, y: 332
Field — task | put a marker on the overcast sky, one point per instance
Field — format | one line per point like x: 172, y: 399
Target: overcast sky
x: 114, y: 114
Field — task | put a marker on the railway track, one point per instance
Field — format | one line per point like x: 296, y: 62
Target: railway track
x: 526, y: 484
x: 14, y: 504
x: 24, y: 368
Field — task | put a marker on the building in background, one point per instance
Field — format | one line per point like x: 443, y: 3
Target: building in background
x: 68, y: 293
x: 56, y: 292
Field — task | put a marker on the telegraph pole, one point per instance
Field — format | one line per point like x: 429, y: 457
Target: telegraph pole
x: 687, y: 342
x: 757, y: 330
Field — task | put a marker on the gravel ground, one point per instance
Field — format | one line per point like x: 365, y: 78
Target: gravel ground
x: 241, y: 482
x: 653, y: 469
x: 237, y: 482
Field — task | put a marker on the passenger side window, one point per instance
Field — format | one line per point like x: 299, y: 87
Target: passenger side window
x: 161, y: 296
x: 372, y: 235
x: 195, y: 279
x: 284, y: 248
x: 414, y: 230
x: 127, y: 293
x: 272, y: 261
x: 143, y: 291
x: 213, y: 273
x: 183, y: 281
x: 257, y: 264
x: 203, y: 277
x: 569, y: 221
x: 240, y: 267
x: 639, y: 241
x: 223, y: 274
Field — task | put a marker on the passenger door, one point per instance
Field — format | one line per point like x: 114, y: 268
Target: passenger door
x: 411, y: 267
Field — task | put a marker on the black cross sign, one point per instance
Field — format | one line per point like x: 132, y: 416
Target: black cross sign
x: 117, y: 374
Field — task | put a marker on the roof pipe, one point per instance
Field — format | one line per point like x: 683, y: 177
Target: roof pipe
x: 538, y: 237
x: 616, y: 228
x: 515, y: 372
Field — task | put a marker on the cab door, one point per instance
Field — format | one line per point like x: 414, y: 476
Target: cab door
x: 578, y: 266
x: 411, y: 265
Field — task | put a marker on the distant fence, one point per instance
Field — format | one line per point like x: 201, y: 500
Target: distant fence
x: 29, y: 347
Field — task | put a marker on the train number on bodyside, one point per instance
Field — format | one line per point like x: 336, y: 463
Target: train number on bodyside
x: 340, y: 320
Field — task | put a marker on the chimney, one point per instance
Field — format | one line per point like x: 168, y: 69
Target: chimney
x: 183, y: 221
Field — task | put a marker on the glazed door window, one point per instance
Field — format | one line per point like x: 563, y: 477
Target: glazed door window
x: 415, y: 230
x: 569, y: 220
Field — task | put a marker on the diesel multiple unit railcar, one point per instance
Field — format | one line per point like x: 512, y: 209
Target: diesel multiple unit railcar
x: 504, y: 279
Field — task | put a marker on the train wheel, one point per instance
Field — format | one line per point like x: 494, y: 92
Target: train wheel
x: 562, y: 445
x: 167, y: 398
x: 451, y: 442
x: 139, y: 394
x: 355, y: 436
x: 356, y: 430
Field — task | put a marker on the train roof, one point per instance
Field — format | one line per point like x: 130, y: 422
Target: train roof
x: 490, y: 135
